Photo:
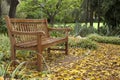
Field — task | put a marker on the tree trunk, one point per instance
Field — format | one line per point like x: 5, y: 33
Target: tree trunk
x: 0, y: 9
x: 91, y: 15
x: 98, y: 16
x: 87, y: 11
x: 51, y: 20
x: 13, y: 6
x: 98, y: 24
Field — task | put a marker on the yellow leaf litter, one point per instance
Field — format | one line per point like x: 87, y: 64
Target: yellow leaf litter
x: 100, y: 64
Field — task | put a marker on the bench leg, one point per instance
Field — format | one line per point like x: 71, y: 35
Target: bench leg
x: 39, y: 60
x: 66, y: 48
x: 48, y: 50
x: 13, y: 56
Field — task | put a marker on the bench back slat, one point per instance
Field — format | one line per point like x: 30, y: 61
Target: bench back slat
x: 26, y: 25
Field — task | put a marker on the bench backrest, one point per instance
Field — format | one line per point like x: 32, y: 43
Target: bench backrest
x: 26, y: 25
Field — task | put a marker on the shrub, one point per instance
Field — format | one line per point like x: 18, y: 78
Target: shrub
x: 103, y: 30
x: 11, y: 75
x: 83, y: 30
x: 73, y: 41
x: 3, y: 28
x: 104, y: 39
x: 83, y: 43
x: 5, y: 49
x: 87, y: 43
x: 4, y: 46
x: 86, y: 30
x: 2, y: 70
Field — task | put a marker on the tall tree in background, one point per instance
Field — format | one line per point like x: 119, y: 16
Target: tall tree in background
x: 112, y: 17
x: 77, y: 10
x: 88, y: 8
x: 98, y: 16
x: 0, y: 9
x: 96, y: 5
x: 13, y: 5
x: 87, y: 11
x: 91, y: 12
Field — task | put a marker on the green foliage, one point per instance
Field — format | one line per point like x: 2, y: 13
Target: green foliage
x: 65, y: 11
x: 106, y: 5
x: 83, y: 30
x: 29, y: 9
x: 3, y: 28
x: 18, y: 71
x: 83, y: 43
x: 56, y: 34
x: 4, y: 53
x: 104, y: 10
x: 103, y: 30
x: 4, y: 46
x: 60, y: 10
x: 112, y: 16
x: 4, y: 41
x: 104, y: 39
x: 2, y: 70
x: 1, y: 56
x: 88, y: 44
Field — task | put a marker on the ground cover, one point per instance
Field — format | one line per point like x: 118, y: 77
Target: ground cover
x: 102, y: 63
x: 80, y: 64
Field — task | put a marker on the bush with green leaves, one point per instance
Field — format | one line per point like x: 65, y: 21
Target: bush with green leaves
x: 83, y: 30
x: 1, y: 56
x: 87, y: 43
x: 3, y: 28
x: 103, y: 30
x: 83, y: 43
x: 18, y: 71
x: 104, y: 39
x: 2, y: 71
x: 4, y: 46
x: 5, y: 49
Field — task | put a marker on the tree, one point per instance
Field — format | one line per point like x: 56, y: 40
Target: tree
x: 112, y: 17
x: 53, y: 10
x: 88, y: 8
x: 45, y: 8
x: 96, y: 6
x: 13, y: 5
x: 52, y: 7
x: 77, y: 11
x: 0, y: 9
x: 29, y: 9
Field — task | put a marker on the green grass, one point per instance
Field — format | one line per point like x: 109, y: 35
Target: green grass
x: 95, y: 24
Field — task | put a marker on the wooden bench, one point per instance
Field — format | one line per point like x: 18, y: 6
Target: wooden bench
x: 33, y: 34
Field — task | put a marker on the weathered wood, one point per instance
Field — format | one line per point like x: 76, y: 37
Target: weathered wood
x: 33, y: 34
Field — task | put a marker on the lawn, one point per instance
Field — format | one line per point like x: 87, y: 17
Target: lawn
x: 95, y: 24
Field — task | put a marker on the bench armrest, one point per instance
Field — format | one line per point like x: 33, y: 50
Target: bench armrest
x: 59, y: 29
x: 28, y: 33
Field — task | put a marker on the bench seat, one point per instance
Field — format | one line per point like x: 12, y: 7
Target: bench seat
x: 45, y: 43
